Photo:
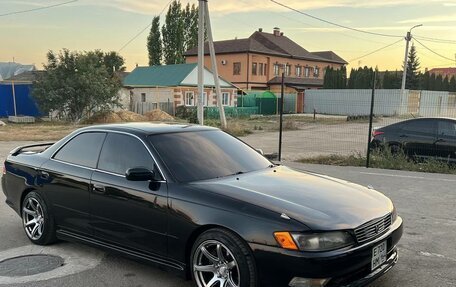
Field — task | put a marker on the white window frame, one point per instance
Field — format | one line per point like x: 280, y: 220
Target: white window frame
x: 143, y: 97
x: 205, y: 99
x: 306, y: 72
x: 298, y: 71
x: 276, y: 69
x: 287, y: 70
x: 187, y: 98
x: 317, y: 71
x: 228, y: 99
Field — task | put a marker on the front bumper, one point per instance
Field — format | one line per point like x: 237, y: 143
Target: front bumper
x: 346, y: 267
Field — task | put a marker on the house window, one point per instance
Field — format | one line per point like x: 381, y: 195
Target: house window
x: 205, y: 99
x: 276, y: 69
x: 288, y: 70
x: 261, y: 69
x: 298, y: 71
x: 189, y: 98
x: 226, y: 99
x: 265, y: 72
x: 237, y: 68
x: 254, y: 68
x: 316, y: 72
x: 143, y: 97
x: 306, y: 72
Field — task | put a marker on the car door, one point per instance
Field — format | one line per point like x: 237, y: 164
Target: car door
x: 446, y: 140
x: 132, y: 214
x: 418, y: 137
x: 65, y: 179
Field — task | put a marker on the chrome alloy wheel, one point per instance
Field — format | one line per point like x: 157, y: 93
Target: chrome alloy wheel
x: 33, y: 218
x: 215, y: 266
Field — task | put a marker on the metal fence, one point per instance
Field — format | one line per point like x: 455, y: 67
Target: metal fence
x: 145, y: 107
x: 336, y: 122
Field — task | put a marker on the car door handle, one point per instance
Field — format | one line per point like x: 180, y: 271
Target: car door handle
x: 98, y: 188
x: 403, y: 136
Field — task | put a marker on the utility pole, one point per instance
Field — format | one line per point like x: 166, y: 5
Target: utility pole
x: 218, y: 90
x: 408, y: 37
x: 200, y: 107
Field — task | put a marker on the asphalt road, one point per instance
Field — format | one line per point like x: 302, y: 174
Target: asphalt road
x: 427, y: 251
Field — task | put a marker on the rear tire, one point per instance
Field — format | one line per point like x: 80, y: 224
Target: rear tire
x: 37, y: 220
x: 221, y: 258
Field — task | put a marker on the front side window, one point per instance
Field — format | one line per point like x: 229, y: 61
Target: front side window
x: 82, y: 150
x: 420, y: 126
x: 447, y: 128
x: 189, y: 98
x: 121, y: 152
x: 237, y: 68
x: 192, y: 156
x: 226, y: 99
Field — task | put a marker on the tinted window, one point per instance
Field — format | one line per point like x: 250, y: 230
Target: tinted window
x: 192, y: 156
x: 121, y: 152
x: 447, y: 128
x: 82, y: 149
x: 420, y: 126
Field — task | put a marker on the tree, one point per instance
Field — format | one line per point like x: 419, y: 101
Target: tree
x: 113, y: 62
x: 413, y: 65
x: 335, y: 79
x: 190, y: 18
x: 76, y: 84
x: 173, y: 34
x: 438, y: 83
x: 452, y: 86
x: 432, y: 82
x: 154, y: 43
x: 425, y: 81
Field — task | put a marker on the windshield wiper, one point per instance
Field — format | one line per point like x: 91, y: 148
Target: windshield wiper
x: 236, y: 173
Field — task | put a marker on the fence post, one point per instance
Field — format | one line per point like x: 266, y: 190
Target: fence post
x: 281, y: 115
x: 371, y: 116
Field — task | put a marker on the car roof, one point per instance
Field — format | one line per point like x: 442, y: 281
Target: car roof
x: 150, y: 128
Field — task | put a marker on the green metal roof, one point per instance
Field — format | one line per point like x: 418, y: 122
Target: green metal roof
x: 159, y: 76
x: 262, y: 94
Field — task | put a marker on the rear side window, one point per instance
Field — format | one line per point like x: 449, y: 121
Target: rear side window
x: 420, y: 126
x: 122, y: 152
x: 82, y: 150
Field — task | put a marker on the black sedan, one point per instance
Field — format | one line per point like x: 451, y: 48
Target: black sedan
x: 200, y: 202
x: 420, y: 138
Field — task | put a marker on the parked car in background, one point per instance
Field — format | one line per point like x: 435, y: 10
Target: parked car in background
x: 200, y: 202
x: 420, y: 138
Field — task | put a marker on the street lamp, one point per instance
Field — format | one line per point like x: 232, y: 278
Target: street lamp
x: 408, y: 37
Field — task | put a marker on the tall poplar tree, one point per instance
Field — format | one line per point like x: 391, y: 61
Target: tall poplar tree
x: 173, y: 34
x: 154, y: 43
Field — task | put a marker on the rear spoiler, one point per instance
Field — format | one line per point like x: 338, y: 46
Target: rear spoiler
x: 19, y: 149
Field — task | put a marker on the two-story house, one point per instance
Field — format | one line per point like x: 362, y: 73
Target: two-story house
x: 257, y: 62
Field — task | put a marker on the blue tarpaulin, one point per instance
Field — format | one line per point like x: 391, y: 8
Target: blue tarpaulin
x: 25, y: 104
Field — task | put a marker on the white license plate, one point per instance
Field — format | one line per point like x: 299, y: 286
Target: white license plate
x: 378, y: 255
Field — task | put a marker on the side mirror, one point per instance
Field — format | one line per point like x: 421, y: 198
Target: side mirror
x: 260, y: 151
x: 139, y: 174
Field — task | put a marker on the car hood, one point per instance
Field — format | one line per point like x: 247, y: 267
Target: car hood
x: 320, y: 202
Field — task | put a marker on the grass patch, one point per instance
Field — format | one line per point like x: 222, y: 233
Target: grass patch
x: 40, y: 131
x: 234, y: 127
x: 385, y: 160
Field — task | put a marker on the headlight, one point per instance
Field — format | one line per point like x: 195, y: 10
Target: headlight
x: 322, y: 241
x: 393, y: 215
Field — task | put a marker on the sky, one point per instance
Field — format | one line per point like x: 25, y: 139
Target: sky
x: 109, y: 24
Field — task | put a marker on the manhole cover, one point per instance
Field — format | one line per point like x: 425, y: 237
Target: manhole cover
x: 29, y: 265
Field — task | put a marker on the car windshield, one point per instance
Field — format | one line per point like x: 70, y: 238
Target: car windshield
x: 192, y: 156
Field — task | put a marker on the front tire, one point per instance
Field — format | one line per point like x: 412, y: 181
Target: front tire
x: 37, y: 221
x: 221, y: 259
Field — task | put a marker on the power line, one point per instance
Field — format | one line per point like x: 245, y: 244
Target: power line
x: 335, y: 24
x: 430, y: 50
x: 37, y: 9
x: 144, y: 29
x: 375, y: 51
x: 435, y: 40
